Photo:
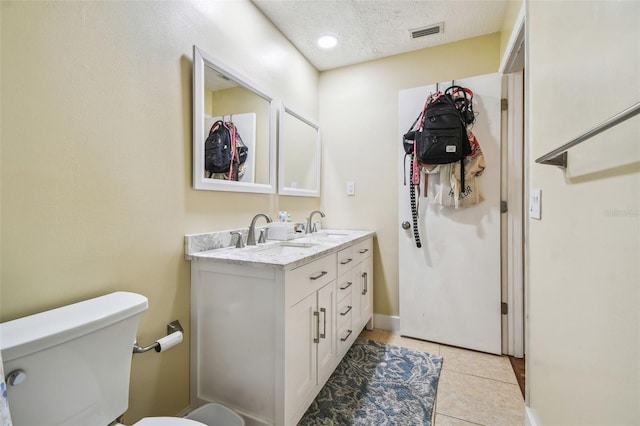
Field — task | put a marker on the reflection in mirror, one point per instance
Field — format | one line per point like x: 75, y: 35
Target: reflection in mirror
x: 233, y: 130
x: 299, y: 155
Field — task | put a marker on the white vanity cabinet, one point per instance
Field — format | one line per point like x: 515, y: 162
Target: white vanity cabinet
x: 310, y: 343
x: 265, y: 338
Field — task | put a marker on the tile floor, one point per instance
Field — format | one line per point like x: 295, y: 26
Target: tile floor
x: 475, y: 388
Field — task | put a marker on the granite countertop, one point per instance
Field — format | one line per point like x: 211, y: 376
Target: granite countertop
x: 280, y: 254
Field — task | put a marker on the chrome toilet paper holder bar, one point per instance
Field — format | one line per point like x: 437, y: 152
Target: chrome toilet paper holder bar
x: 172, y: 327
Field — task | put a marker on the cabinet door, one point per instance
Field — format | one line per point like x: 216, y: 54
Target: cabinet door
x: 356, y: 299
x: 364, y: 293
x: 301, y: 351
x: 327, y: 346
x: 367, y: 301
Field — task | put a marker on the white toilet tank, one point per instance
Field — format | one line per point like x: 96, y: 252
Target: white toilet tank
x: 75, y: 360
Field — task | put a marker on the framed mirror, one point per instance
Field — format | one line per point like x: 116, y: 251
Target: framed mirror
x: 224, y: 99
x: 298, y: 154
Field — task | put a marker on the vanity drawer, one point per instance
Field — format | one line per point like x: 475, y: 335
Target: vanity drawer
x: 362, y: 250
x: 345, y: 260
x: 345, y: 338
x: 345, y: 284
x: 344, y: 311
x: 306, y: 279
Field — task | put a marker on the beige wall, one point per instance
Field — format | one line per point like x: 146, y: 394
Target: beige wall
x: 359, y: 116
x: 96, y: 158
x: 584, y: 275
x: 509, y: 21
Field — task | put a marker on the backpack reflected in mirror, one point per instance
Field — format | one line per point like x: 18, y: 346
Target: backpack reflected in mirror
x: 224, y: 152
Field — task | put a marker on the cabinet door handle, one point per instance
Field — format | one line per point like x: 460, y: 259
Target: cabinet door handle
x: 346, y: 312
x: 317, y: 338
x: 324, y: 323
x: 348, y: 284
x: 366, y: 289
x: 363, y: 251
x: 321, y: 274
x: 344, y: 339
x: 344, y: 262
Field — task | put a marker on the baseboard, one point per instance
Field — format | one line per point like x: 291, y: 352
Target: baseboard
x: 530, y: 417
x: 386, y: 322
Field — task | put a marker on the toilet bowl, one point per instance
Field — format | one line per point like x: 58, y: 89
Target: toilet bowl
x: 71, y: 365
x: 214, y: 414
x: 167, y: 421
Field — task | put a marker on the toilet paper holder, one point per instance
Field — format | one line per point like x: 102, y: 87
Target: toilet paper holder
x: 172, y: 327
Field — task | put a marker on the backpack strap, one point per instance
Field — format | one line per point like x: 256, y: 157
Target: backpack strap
x: 233, y: 171
x: 415, y: 170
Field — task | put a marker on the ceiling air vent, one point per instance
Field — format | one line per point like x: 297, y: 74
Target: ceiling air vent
x: 431, y: 29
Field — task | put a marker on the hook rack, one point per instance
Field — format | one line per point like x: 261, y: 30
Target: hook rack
x: 172, y: 327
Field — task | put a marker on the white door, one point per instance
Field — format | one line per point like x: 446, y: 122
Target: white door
x: 450, y: 287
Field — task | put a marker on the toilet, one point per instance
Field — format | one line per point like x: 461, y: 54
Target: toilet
x: 71, y: 365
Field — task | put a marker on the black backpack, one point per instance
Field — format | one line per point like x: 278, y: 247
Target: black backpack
x: 442, y: 138
x: 441, y: 134
x: 219, y: 155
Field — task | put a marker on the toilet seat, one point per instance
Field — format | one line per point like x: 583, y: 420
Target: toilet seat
x: 167, y: 421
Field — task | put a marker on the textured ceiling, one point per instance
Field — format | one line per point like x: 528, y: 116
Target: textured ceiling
x: 372, y: 29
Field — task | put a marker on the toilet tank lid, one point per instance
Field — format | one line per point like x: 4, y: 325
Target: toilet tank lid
x: 37, y: 332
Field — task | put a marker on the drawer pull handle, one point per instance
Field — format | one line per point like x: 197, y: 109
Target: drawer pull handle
x: 344, y: 262
x: 346, y: 312
x: 344, y: 339
x: 321, y: 274
x: 363, y: 251
x: 366, y: 286
x: 324, y: 330
x: 317, y: 338
x: 346, y: 286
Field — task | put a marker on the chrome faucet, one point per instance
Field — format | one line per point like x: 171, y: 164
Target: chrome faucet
x: 251, y: 238
x: 310, y: 227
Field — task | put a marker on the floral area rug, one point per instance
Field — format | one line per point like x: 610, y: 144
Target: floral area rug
x: 378, y: 384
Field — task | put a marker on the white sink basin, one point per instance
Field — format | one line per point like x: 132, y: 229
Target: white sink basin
x: 334, y: 235
x: 283, y: 248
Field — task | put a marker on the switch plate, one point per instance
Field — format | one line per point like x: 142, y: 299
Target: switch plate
x: 535, y: 202
x: 351, y: 188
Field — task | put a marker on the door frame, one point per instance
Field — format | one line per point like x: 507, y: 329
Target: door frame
x: 514, y: 183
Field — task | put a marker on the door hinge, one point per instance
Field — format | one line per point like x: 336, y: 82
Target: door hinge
x: 504, y: 308
x: 503, y: 207
x: 504, y: 104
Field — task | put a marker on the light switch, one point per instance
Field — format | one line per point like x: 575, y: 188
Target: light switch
x: 351, y: 188
x: 535, y: 202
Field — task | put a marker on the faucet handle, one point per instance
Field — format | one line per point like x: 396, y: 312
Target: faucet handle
x: 239, y: 241
x: 263, y: 236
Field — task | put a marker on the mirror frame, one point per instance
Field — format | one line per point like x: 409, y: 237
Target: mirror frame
x: 300, y: 192
x: 200, y: 60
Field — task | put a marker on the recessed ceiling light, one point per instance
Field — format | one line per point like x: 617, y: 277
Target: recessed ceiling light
x: 327, y: 41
